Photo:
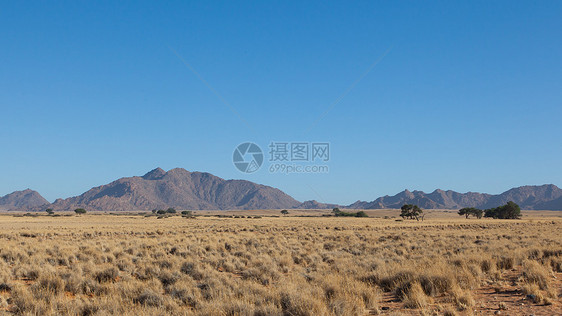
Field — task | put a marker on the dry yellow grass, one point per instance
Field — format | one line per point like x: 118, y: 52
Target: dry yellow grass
x: 136, y: 265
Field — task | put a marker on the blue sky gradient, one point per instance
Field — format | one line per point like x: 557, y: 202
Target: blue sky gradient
x: 468, y: 95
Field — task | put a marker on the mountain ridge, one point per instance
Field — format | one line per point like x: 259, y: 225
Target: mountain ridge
x: 182, y: 189
x: 529, y: 197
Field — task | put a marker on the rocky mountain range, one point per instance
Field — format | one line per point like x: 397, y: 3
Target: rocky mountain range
x: 543, y: 197
x: 181, y: 189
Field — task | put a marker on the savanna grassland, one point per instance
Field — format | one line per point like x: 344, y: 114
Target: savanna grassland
x: 137, y: 265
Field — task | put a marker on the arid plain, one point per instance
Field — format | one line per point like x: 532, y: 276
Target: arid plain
x: 298, y: 264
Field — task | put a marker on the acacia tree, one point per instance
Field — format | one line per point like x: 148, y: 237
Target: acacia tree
x: 80, y: 211
x: 412, y: 211
x: 478, y: 213
x: 284, y: 212
x: 509, y: 211
x: 471, y: 211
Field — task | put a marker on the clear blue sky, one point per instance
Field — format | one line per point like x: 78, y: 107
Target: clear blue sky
x: 468, y: 96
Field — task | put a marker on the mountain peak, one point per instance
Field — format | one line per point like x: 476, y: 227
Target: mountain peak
x: 154, y: 174
x: 178, y: 171
x: 22, y: 199
x: 180, y: 189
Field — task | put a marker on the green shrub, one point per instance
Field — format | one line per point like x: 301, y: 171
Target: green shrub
x: 361, y: 214
x: 339, y: 213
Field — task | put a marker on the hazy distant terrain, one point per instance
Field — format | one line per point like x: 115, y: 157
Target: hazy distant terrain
x: 181, y: 189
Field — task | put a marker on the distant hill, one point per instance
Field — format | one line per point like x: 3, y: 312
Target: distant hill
x: 315, y: 205
x: 543, y: 197
x: 180, y: 189
x: 21, y: 200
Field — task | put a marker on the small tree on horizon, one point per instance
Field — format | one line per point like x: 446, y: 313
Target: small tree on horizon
x: 284, y: 212
x: 478, y: 213
x: 80, y: 211
x: 50, y: 211
x: 412, y: 211
x: 471, y: 211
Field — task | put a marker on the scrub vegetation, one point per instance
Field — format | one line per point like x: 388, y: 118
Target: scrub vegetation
x: 184, y: 265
